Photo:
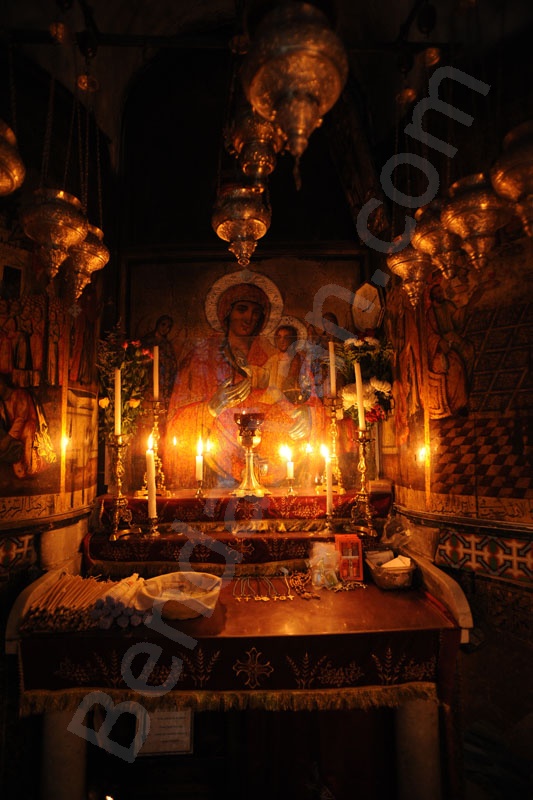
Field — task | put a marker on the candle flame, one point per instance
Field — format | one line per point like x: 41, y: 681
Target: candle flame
x: 64, y: 442
x: 308, y: 448
x: 324, y: 451
x: 285, y: 452
x: 208, y: 445
x: 199, y: 447
x: 150, y: 442
x: 422, y: 454
x: 175, y: 441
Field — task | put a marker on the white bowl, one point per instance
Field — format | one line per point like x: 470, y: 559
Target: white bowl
x: 185, y: 595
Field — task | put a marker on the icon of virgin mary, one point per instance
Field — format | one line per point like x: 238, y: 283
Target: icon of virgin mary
x: 224, y: 373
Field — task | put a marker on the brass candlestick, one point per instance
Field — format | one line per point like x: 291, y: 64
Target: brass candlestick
x: 199, y: 494
x: 290, y: 488
x: 153, y: 529
x: 159, y: 474
x: 334, y: 405
x: 362, y: 510
x: 120, y: 512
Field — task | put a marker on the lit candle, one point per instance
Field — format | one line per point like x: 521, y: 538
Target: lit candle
x: 329, y: 484
x: 156, y: 372
x: 118, y: 403
x: 360, y: 396
x: 200, y: 460
x: 286, y: 453
x: 332, y: 371
x: 150, y: 481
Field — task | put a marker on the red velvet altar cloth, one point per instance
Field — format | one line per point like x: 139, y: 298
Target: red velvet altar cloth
x: 352, y: 649
x: 276, y: 528
x: 184, y: 507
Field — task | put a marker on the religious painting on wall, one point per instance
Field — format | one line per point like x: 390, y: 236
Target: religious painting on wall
x: 48, y: 391
x: 31, y: 360
x: 235, y: 340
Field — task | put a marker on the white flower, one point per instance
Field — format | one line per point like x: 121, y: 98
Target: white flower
x: 381, y: 386
x: 353, y: 342
x: 372, y: 342
x: 349, y: 396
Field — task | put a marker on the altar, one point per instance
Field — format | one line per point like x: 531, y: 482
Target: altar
x: 357, y: 648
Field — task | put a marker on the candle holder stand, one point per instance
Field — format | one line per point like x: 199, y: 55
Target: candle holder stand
x: 362, y: 511
x: 329, y: 527
x: 121, y: 515
x: 334, y: 405
x: 159, y: 474
x: 152, y: 529
x: 249, y: 435
x: 290, y: 488
x: 199, y: 494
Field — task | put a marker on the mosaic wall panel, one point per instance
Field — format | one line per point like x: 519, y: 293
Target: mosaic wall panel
x: 492, y: 556
x: 17, y: 552
x: 487, y: 456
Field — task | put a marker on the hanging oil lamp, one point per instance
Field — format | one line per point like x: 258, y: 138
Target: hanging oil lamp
x: 474, y: 212
x: 240, y: 217
x: 295, y: 71
x: 55, y: 220
x: 413, y: 267
x: 430, y: 237
x: 256, y: 142
x: 12, y: 170
x: 512, y: 173
x: 87, y: 257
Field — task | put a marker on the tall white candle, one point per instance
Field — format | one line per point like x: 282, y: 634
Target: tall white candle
x: 156, y: 372
x: 290, y: 470
x: 329, y: 486
x: 150, y: 484
x: 360, y: 395
x: 332, y: 371
x: 118, y: 403
x: 200, y: 461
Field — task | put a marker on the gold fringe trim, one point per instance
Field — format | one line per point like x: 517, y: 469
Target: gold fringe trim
x: 150, y: 569
x: 364, y: 697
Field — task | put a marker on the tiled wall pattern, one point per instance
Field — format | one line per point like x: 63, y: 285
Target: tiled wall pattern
x: 492, y: 556
x: 488, y: 453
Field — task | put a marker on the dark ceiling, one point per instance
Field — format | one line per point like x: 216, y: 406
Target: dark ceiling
x: 164, y: 69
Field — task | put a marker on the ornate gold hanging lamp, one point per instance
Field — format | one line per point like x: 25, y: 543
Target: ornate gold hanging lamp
x: 430, y: 237
x: 256, y: 142
x: 512, y: 173
x: 54, y: 219
x: 12, y: 169
x: 241, y: 217
x: 413, y: 267
x: 475, y: 213
x: 295, y: 71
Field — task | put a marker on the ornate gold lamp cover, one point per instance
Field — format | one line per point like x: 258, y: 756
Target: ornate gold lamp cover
x: 413, y: 267
x: 474, y: 212
x: 87, y: 257
x: 55, y: 220
x: 295, y: 71
x: 512, y: 173
x: 241, y: 218
x: 12, y: 169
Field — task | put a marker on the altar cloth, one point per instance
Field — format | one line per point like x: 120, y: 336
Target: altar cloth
x: 214, y: 531
x: 345, y: 650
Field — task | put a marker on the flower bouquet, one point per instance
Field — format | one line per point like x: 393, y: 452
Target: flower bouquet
x: 374, y: 358
x: 116, y: 352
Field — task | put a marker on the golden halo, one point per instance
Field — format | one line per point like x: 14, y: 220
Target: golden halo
x: 295, y: 323
x: 244, y: 276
